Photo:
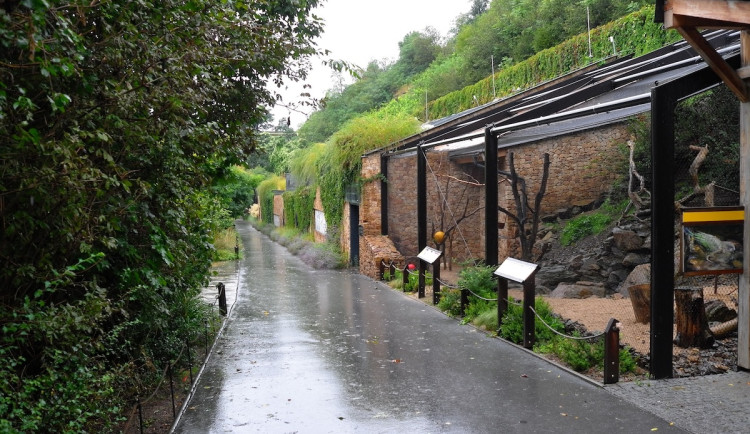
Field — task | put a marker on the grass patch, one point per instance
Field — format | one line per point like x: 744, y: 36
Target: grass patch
x: 224, y: 244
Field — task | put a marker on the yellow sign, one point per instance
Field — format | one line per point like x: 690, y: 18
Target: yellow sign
x: 713, y: 215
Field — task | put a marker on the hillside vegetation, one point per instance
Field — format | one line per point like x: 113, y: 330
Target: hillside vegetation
x: 532, y: 41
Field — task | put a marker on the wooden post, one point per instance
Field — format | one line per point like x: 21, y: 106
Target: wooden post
x: 381, y: 270
x: 464, y: 300
x: 422, y: 271
x: 405, y: 276
x: 529, y: 317
x: 436, y: 282
x: 611, y: 352
x: 222, y: 298
x: 502, y: 300
x: 743, y: 298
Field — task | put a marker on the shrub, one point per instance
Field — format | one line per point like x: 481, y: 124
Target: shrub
x: 512, y: 327
x: 480, y: 281
x: 450, y: 301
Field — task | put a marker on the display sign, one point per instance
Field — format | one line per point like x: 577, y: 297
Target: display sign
x: 516, y: 270
x: 711, y: 241
x: 429, y: 255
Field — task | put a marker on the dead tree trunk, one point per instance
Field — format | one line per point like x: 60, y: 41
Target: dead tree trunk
x: 525, y: 213
x: 691, y: 321
x: 706, y: 191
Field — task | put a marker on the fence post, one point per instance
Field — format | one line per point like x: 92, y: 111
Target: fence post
x: 393, y: 270
x: 502, y: 300
x: 171, y: 391
x: 205, y: 334
x: 140, y: 415
x: 422, y: 271
x: 436, y: 282
x: 528, y: 314
x: 612, y: 352
x: 464, y: 300
x: 405, y: 276
x: 381, y: 270
x: 190, y: 360
x: 222, y: 298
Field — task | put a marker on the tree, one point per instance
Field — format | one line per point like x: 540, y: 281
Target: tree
x: 526, y: 217
x: 113, y: 118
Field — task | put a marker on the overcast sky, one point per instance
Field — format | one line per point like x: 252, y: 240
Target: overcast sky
x: 358, y: 31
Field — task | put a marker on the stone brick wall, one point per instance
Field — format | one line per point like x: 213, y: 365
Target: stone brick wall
x: 376, y: 248
x: 583, y: 166
x: 369, y: 208
x: 402, y: 202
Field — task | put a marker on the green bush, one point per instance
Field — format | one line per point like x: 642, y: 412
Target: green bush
x: 450, y: 301
x: 480, y: 281
x: 512, y: 327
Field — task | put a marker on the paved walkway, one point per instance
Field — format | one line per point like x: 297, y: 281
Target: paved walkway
x: 708, y: 404
x: 314, y: 351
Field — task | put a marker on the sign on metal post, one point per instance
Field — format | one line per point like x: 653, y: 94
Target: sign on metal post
x: 431, y: 256
x: 520, y: 272
x: 516, y: 270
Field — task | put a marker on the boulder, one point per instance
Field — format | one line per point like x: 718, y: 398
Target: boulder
x: 640, y: 275
x: 553, y: 275
x: 627, y: 241
x: 582, y: 289
x: 632, y: 259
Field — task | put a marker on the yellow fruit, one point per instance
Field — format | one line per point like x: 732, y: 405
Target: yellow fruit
x: 439, y: 237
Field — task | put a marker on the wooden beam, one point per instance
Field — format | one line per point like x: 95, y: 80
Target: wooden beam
x: 731, y: 11
x: 716, y: 62
x: 743, y: 294
x: 675, y: 21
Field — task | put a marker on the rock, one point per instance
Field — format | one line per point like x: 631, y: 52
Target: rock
x: 582, y: 289
x: 563, y: 213
x: 627, y: 241
x: 717, y: 311
x: 552, y: 276
x: 632, y: 259
x: 590, y: 265
x: 576, y: 262
x: 640, y: 275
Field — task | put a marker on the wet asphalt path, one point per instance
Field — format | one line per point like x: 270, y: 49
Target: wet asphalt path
x: 308, y: 351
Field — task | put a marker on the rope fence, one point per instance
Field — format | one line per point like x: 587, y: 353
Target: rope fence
x: 611, y: 333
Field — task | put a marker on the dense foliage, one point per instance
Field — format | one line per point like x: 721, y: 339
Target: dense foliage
x: 502, y: 32
x: 114, y: 117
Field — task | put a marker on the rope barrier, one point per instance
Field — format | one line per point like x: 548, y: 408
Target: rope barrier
x: 576, y: 338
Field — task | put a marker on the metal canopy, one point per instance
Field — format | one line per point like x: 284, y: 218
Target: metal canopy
x: 546, y: 110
